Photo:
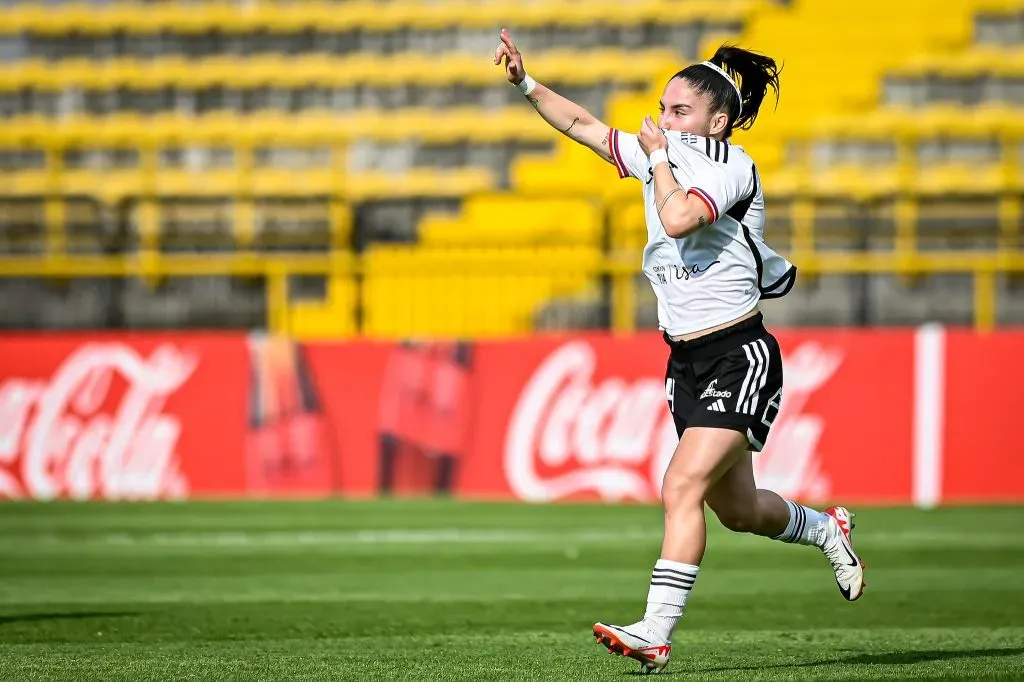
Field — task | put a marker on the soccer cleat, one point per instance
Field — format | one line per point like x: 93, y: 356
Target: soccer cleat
x: 638, y: 642
x: 838, y: 548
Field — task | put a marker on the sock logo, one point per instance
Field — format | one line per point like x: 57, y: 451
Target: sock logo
x: 712, y: 392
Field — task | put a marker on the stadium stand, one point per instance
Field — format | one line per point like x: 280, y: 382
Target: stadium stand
x: 339, y: 168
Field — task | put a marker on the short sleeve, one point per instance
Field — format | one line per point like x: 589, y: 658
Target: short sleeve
x: 720, y: 187
x: 627, y: 155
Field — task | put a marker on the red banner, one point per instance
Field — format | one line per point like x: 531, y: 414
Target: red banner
x: 588, y: 418
x: 983, y: 400
x: 121, y: 417
x: 867, y: 417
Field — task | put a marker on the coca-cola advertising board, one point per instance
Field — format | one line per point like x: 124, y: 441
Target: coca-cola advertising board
x: 587, y: 419
x: 880, y: 417
x: 121, y: 417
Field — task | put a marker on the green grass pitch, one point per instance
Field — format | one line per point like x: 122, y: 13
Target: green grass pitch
x: 441, y: 590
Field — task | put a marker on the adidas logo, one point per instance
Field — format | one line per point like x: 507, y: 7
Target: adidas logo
x: 711, y: 392
x: 717, y: 406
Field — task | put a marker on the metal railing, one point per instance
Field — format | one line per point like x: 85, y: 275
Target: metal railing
x: 984, y: 267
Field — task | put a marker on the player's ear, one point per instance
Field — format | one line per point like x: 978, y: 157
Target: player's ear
x: 719, y: 122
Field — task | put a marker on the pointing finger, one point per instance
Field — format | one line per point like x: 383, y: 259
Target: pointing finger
x: 507, y: 39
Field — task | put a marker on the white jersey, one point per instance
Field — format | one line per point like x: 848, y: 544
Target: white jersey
x: 718, y: 273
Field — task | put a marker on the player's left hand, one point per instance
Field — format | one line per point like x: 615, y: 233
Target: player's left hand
x: 651, y: 137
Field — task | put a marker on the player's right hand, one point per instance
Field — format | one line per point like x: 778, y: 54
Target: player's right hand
x: 514, y: 70
x: 651, y: 137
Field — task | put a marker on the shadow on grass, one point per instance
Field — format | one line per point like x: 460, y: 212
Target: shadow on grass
x: 73, y: 615
x: 908, y: 657
x: 886, y: 658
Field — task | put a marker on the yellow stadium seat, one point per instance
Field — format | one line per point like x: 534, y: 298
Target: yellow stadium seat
x: 329, y: 319
x: 470, y: 291
x: 427, y: 182
x: 961, y: 179
x: 201, y: 17
x: 573, y: 171
x: 490, y: 268
x: 975, y: 61
x: 628, y: 227
x: 113, y: 186
x: 307, y: 129
x: 562, y: 66
x: 515, y: 221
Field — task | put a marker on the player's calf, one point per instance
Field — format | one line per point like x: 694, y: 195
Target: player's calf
x: 742, y: 515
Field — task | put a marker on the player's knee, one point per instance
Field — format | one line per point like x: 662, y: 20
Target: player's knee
x: 682, y: 489
x: 738, y: 518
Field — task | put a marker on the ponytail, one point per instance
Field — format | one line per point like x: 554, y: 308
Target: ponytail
x: 740, y: 95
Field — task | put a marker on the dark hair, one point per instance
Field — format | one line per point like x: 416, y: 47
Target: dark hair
x: 754, y: 74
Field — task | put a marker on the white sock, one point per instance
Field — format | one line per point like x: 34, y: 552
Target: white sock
x: 671, y: 583
x: 806, y: 526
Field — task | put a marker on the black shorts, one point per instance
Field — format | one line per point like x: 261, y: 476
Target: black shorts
x: 729, y: 379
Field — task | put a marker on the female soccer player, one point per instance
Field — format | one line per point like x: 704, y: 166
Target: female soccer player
x: 709, y: 266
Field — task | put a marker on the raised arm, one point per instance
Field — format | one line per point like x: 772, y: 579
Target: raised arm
x: 563, y: 115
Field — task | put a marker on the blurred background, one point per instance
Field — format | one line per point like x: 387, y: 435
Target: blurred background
x: 261, y: 250
x: 344, y: 169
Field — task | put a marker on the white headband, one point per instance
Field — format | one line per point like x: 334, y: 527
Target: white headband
x: 720, y: 70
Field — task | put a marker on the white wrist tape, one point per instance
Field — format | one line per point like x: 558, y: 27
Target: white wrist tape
x: 526, y: 85
x: 658, y: 156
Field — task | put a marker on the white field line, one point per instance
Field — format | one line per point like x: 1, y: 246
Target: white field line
x: 457, y: 536
x: 322, y: 589
x: 356, y: 537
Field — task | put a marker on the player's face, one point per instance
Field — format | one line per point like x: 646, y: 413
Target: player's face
x: 684, y: 110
